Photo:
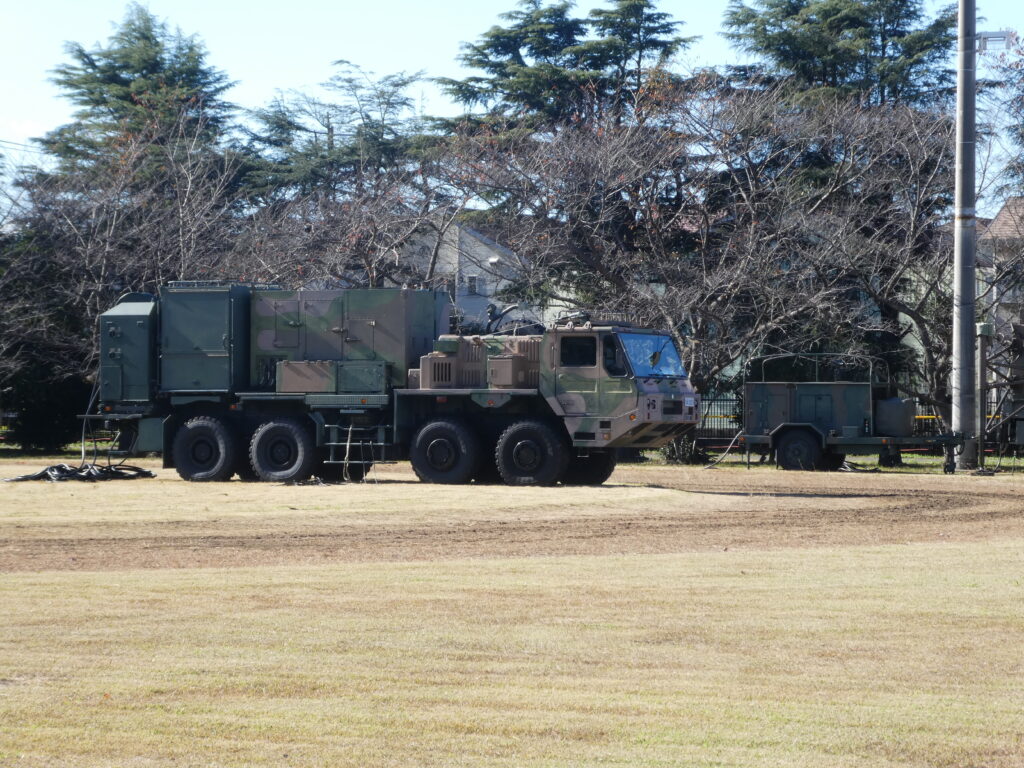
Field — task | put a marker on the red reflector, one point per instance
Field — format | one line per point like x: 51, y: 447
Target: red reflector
x: 441, y: 399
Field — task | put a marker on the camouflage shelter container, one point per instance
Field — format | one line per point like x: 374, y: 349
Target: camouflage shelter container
x: 393, y: 327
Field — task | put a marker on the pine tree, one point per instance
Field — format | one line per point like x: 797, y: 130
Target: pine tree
x: 881, y: 51
x: 303, y: 145
x: 631, y: 40
x: 147, y: 82
x: 549, y: 66
x: 532, y: 66
x: 142, y: 191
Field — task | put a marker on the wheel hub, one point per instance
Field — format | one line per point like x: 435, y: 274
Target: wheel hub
x: 281, y: 453
x: 441, y: 453
x: 798, y: 453
x: 203, y: 452
x: 527, y: 455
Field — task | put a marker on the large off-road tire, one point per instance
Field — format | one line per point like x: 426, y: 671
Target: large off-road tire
x: 531, y: 453
x: 799, y: 449
x: 445, y: 451
x: 590, y: 470
x: 282, y: 451
x: 204, y: 450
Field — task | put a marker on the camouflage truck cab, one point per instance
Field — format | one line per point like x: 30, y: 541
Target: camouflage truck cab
x: 548, y: 407
x: 271, y: 384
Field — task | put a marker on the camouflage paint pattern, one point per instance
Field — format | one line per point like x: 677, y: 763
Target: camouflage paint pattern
x: 600, y: 408
x: 235, y: 338
x: 389, y: 325
x: 605, y: 411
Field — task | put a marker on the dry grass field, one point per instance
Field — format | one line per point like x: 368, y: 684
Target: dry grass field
x: 673, y: 617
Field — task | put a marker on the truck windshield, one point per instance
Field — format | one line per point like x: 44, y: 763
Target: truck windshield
x: 652, y: 355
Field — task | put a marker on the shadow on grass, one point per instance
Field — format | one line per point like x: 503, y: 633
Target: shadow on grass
x: 776, y: 494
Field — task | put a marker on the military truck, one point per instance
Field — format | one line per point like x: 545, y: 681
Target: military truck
x: 810, y: 410
x: 232, y: 379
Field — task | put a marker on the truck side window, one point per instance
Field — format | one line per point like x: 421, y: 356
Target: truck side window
x: 613, y: 360
x: 579, y: 351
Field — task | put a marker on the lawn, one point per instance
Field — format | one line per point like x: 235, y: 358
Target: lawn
x: 899, y: 655
x: 785, y: 649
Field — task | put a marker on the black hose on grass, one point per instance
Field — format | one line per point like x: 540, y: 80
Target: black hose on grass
x: 88, y: 472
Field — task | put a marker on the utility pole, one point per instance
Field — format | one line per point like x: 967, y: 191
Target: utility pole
x: 964, y: 232
x: 963, y: 384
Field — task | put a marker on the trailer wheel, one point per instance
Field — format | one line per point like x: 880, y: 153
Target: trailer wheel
x: 282, y: 451
x: 531, y: 453
x: 445, y: 452
x: 204, y: 450
x: 590, y: 470
x: 798, y: 450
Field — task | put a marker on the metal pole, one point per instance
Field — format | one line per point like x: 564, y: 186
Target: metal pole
x: 962, y: 384
x: 985, y: 331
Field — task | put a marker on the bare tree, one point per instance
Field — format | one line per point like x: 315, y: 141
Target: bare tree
x: 159, y: 209
x: 693, y: 221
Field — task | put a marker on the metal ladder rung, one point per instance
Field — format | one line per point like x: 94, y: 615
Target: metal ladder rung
x: 356, y: 445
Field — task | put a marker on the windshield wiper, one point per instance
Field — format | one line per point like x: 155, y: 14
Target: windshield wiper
x: 655, y: 357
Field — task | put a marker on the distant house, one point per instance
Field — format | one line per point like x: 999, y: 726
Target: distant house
x: 1000, y: 262
x: 473, y: 266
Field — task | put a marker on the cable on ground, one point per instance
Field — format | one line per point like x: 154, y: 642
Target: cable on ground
x: 729, y: 448
x: 87, y: 471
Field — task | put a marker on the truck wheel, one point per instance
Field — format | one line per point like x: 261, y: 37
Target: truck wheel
x: 445, y: 452
x: 798, y: 450
x: 282, y: 451
x: 204, y: 450
x: 531, y: 453
x: 590, y: 470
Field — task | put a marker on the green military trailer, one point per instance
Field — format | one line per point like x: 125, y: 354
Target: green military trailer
x: 267, y: 384
x: 810, y: 410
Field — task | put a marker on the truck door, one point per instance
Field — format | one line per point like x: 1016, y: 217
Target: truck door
x: 363, y: 312
x: 196, y: 333
x: 617, y: 392
x: 577, y: 376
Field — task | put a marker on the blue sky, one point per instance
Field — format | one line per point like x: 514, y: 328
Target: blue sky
x: 277, y: 46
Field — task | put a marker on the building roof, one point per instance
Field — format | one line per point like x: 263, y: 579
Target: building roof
x: 1008, y: 223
